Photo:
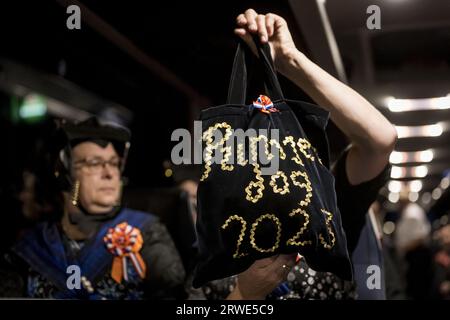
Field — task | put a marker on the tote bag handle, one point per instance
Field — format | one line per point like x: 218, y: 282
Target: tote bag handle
x: 237, y: 89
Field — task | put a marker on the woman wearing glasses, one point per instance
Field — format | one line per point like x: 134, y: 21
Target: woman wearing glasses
x: 95, y: 249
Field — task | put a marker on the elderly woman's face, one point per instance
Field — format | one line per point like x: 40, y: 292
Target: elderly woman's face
x: 98, y: 171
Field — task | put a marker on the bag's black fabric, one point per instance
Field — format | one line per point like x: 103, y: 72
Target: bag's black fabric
x: 244, y: 213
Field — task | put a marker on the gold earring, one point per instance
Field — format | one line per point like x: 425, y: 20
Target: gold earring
x: 75, y: 193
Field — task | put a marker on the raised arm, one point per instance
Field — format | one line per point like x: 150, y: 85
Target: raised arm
x: 372, y: 136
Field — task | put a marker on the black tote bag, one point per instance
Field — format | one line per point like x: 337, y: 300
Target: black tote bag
x: 245, y: 215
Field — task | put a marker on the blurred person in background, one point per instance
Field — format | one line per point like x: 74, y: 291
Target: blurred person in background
x: 186, y: 178
x: 413, y: 228
x: 441, y: 260
x: 393, y: 282
x: 93, y: 248
x: 412, y: 242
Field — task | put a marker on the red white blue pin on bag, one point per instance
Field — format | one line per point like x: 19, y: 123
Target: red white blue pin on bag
x: 124, y: 242
x: 264, y: 104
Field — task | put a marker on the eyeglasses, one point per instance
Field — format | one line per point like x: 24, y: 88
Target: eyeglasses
x: 96, y: 165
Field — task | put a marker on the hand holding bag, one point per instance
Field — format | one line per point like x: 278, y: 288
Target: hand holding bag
x: 245, y: 214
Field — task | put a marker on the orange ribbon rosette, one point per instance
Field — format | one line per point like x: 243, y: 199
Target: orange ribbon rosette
x: 264, y: 104
x: 124, y: 242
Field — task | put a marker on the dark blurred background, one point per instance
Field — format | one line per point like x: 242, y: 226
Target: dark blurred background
x: 153, y: 65
x: 150, y: 66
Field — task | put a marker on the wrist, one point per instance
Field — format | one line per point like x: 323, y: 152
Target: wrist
x: 291, y: 60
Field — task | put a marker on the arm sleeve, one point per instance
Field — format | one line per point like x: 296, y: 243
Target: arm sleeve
x: 165, y: 275
x: 354, y: 200
x: 12, y: 277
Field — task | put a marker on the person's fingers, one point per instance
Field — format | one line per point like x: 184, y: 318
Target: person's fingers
x: 270, y: 20
x: 276, y: 261
x: 262, y: 31
x: 287, y: 261
x: 289, y: 257
x: 279, y: 22
x: 279, y: 266
x: 266, y: 262
x: 281, y: 272
x: 246, y: 36
x: 241, y: 32
x: 251, y: 15
x: 241, y: 21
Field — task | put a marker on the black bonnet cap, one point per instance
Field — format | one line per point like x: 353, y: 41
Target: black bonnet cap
x: 92, y: 130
